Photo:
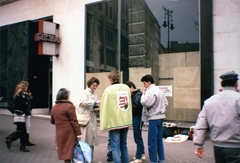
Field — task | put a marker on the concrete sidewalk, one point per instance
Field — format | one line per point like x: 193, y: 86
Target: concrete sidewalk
x: 42, y: 134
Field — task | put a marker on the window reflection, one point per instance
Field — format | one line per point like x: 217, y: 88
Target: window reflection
x: 148, y: 28
x: 158, y: 37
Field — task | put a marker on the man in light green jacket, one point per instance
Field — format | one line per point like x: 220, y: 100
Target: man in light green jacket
x: 116, y: 116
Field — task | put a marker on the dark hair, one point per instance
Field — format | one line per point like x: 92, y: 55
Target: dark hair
x: 63, y: 94
x: 229, y: 83
x: 92, y: 80
x: 130, y: 84
x: 114, y: 75
x: 147, y: 78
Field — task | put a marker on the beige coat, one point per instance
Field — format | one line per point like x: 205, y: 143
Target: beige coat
x: 89, y: 132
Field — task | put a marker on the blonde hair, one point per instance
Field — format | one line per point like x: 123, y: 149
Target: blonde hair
x: 114, y: 75
x: 24, y: 82
x: 19, y: 88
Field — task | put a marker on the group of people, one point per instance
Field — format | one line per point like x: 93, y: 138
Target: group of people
x: 122, y: 106
x: 22, y: 103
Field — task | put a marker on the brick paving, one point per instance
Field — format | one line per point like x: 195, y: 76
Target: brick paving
x: 42, y: 134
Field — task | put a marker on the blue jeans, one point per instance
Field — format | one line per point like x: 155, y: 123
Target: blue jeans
x: 155, y: 142
x: 137, y: 134
x: 119, y: 145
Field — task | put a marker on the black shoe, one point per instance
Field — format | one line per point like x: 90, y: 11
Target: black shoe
x: 109, y: 156
x: 8, y: 142
x: 23, y: 149
x: 29, y: 144
x: 109, y: 159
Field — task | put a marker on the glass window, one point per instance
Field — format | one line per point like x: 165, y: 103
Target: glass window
x: 159, y: 37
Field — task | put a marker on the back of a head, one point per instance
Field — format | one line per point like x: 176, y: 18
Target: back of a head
x: 115, y: 75
x: 229, y: 79
x: 147, y: 78
x: 63, y: 94
x: 130, y: 84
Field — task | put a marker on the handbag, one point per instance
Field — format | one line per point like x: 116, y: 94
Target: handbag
x: 86, y: 150
x: 77, y: 154
x: 18, y: 118
x: 83, y: 118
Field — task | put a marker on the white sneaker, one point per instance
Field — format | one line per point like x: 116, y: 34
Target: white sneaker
x: 136, y: 161
x: 143, y: 157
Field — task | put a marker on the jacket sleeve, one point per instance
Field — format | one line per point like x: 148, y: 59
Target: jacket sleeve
x: 52, y: 120
x: 73, y: 120
x: 85, y: 102
x: 148, y: 99
x: 144, y: 114
x: 136, y: 103
x: 200, y: 129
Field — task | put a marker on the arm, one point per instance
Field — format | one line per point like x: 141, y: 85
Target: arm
x: 199, y: 132
x: 52, y: 120
x: 144, y: 115
x: 148, y: 99
x: 85, y: 101
x: 136, y: 102
x: 74, y: 122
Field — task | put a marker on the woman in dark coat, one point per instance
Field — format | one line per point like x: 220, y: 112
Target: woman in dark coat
x: 21, y: 105
x: 67, y: 129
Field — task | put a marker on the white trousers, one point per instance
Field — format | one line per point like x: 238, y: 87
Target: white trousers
x: 28, y: 123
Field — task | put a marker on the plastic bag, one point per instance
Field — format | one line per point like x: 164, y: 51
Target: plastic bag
x: 86, y: 149
x: 77, y: 154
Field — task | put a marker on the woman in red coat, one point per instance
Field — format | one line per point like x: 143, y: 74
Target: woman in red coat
x: 67, y: 129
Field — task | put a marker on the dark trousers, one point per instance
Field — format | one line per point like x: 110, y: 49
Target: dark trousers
x: 20, y: 132
x: 137, y: 134
x: 226, y: 155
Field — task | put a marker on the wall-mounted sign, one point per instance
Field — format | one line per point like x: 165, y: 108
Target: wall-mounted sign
x: 167, y: 90
x: 47, y: 39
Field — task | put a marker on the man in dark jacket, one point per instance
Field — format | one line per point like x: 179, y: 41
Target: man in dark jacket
x: 137, y: 121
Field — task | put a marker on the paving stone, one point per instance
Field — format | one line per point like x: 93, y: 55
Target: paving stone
x: 43, y: 133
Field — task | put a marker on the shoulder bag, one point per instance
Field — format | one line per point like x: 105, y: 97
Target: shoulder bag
x: 18, y: 117
x: 83, y: 117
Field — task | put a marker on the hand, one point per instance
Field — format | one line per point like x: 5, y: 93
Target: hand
x: 199, y: 152
x: 98, y: 102
x: 79, y: 138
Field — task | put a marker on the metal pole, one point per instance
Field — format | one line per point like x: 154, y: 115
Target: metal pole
x: 168, y: 30
x: 119, y: 37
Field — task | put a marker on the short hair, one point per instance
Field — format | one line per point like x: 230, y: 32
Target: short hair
x: 114, y: 75
x: 63, y: 94
x: 92, y: 80
x: 147, y: 78
x: 130, y: 84
x: 229, y: 83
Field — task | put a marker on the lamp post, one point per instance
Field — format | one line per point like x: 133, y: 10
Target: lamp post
x: 168, y: 14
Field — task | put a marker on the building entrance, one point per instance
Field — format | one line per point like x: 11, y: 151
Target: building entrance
x: 20, y: 61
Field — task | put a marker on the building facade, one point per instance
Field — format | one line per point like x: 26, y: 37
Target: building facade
x: 144, y: 37
x: 219, y: 45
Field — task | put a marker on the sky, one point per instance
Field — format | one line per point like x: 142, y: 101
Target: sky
x: 185, y: 14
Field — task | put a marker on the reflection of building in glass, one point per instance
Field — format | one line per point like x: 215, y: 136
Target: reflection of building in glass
x: 144, y: 37
x: 183, y: 47
x: 102, y: 23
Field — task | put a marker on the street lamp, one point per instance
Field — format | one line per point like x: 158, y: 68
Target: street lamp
x: 168, y: 14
